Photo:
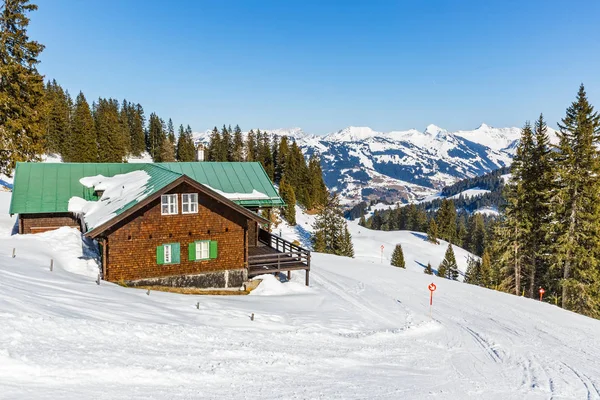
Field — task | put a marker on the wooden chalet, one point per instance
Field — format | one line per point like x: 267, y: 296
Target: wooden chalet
x: 190, y: 224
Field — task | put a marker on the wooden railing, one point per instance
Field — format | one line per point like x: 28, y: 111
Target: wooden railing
x: 288, y: 255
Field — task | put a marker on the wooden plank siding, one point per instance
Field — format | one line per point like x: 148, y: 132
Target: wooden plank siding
x: 132, y: 242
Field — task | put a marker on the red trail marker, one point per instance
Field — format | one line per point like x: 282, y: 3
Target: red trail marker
x: 542, y: 291
x: 431, y: 288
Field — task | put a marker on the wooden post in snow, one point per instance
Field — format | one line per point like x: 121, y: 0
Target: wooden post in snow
x: 14, y: 254
x: 51, y: 264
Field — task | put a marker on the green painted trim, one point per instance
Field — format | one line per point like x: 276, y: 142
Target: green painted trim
x: 192, y: 251
x: 160, y: 254
x: 213, y: 249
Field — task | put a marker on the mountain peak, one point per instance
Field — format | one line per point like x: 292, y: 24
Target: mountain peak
x: 483, y: 126
x: 352, y: 134
x: 433, y: 129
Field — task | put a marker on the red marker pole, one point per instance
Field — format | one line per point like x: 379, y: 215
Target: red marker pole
x: 542, y: 291
x: 382, y: 247
x: 431, y: 288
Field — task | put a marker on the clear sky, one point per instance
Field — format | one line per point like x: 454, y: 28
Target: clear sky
x: 325, y: 65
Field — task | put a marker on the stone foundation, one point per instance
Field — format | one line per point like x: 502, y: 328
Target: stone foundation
x: 233, y: 278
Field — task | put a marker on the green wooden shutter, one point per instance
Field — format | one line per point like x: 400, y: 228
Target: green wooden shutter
x: 213, y: 249
x: 192, y: 251
x: 175, y: 256
x: 160, y: 254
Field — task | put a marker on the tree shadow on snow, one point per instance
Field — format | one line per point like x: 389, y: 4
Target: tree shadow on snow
x: 419, y: 235
x: 304, y: 237
x: 15, y: 228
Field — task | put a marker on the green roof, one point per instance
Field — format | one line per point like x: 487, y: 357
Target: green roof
x: 47, y: 187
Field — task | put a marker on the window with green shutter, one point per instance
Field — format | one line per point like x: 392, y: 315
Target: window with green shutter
x: 202, y: 250
x: 168, y: 253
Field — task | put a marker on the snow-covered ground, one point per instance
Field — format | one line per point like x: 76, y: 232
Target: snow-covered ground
x: 362, y: 330
x: 467, y: 194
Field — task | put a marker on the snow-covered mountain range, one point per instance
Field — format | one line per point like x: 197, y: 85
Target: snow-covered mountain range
x: 361, y: 163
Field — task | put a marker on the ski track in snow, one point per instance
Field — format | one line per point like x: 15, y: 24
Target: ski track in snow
x: 362, y: 331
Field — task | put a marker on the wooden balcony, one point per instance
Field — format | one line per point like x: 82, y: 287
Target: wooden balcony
x: 274, y: 254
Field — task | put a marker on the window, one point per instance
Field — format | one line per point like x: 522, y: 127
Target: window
x: 202, y: 250
x: 168, y: 204
x: 189, y: 203
x: 168, y: 253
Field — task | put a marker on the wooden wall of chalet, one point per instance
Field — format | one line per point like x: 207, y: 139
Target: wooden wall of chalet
x: 132, y: 242
x: 36, y: 223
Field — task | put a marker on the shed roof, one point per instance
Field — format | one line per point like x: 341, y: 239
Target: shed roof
x: 47, y: 187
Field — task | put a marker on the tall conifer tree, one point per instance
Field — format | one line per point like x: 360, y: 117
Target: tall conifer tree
x: 21, y: 88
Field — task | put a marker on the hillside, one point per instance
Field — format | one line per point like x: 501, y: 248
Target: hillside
x: 363, y: 164
x: 362, y: 330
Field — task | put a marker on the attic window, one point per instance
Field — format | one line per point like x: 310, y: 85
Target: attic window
x: 189, y: 203
x: 168, y: 204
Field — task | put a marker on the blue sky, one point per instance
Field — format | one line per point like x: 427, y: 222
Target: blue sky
x: 325, y: 65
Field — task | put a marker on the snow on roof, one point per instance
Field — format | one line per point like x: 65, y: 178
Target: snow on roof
x: 255, y: 195
x: 119, y: 191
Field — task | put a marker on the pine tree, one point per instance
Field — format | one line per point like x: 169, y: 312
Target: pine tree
x: 473, y: 272
x: 576, y: 244
x: 225, y: 148
x: 485, y: 270
x: 136, y: 129
x: 398, y: 257
x: 83, y: 146
x: 428, y: 270
x: 317, y: 190
x: 446, y: 221
x: 171, y: 132
x: 167, y: 147
x: 251, y: 153
x: 331, y: 231
x: 238, y: 145
x: 214, y: 145
x: 432, y: 232
x: 125, y: 121
x: 449, y: 265
x: 362, y: 221
x: 287, y: 194
x: 58, y: 119
x: 283, y: 153
x: 21, y: 88
x: 155, y: 137
x: 186, y: 150
x: 346, y: 247
x: 514, y: 229
x: 109, y: 131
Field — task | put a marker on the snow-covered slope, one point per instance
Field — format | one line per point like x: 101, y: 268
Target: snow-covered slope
x: 361, y: 163
x: 362, y: 330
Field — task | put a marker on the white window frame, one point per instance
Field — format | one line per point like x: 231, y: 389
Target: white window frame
x: 167, y: 254
x: 191, y: 201
x: 170, y: 201
x: 200, y: 249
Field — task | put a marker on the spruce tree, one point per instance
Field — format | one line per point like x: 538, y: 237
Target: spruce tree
x: 575, y: 203
x: 446, y: 221
x: 109, y: 131
x: 286, y: 192
x: 283, y: 153
x: 136, y: 129
x: 21, y: 88
x: 428, y: 270
x: 251, y: 153
x: 432, y: 232
x: 317, y: 190
x: 214, y: 145
x: 155, y: 137
x: 125, y: 121
x: 398, y: 257
x: 225, y: 148
x: 448, y: 265
x: 331, y: 233
x: 362, y: 221
x: 167, y: 147
x: 186, y: 150
x: 473, y: 272
x: 83, y: 146
x: 485, y: 270
x: 58, y: 119
x: 238, y: 145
